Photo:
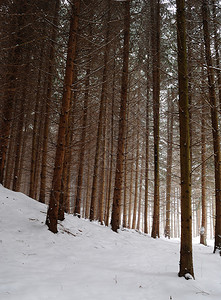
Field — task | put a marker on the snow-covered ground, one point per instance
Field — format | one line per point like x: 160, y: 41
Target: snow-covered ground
x: 86, y: 261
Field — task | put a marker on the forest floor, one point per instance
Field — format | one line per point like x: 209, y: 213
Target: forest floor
x: 87, y: 261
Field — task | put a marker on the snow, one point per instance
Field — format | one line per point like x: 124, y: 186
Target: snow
x: 88, y: 261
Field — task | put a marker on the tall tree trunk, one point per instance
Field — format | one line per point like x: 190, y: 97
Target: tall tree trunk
x: 111, y: 144
x: 103, y: 176
x: 140, y: 189
x: 216, y: 46
x: 52, y: 213
x: 19, y: 140
x: 136, y: 178
x: 65, y: 175
x: 87, y: 209
x: 155, y: 19
x: 37, y: 117
x: 23, y: 151
x: 215, y: 128
x: 186, y: 260
x: 125, y: 210
x: 101, y: 117
x: 48, y: 103
x: 116, y: 210
x: 82, y: 151
x: 39, y: 141
x: 131, y: 190
x: 147, y: 159
x: 203, y: 229
x: 169, y: 162
x: 11, y: 150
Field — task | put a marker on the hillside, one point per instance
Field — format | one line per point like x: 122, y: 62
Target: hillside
x: 87, y: 261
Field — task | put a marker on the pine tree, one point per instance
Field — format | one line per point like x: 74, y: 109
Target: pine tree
x: 52, y: 213
x: 116, y: 210
x: 186, y: 260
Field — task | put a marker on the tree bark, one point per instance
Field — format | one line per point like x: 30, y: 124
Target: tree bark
x: 116, y: 210
x: 215, y: 128
x: 82, y: 151
x: 48, y: 103
x: 100, y: 120
x: 155, y: 19
x: 203, y: 230
x: 111, y: 145
x: 186, y: 260
x: 169, y: 162
x: 136, y: 178
x: 147, y: 155
x: 52, y: 213
x: 216, y: 46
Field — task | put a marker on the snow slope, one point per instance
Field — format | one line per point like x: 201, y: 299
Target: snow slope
x: 86, y: 261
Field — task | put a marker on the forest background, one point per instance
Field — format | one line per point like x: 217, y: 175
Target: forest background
x: 116, y: 64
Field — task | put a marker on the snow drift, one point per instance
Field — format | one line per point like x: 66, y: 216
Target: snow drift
x: 87, y: 261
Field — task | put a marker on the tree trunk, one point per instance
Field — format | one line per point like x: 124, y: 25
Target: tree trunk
x: 147, y: 158
x: 216, y: 46
x: 52, y: 214
x: 125, y: 210
x: 48, y: 103
x: 116, y: 210
x: 18, y: 141
x: 131, y: 189
x: 203, y: 229
x: 215, y: 128
x: 100, y: 120
x: 140, y: 189
x: 136, y: 179
x: 37, y: 117
x: 186, y: 260
x: 111, y: 146
x: 10, y: 152
x: 155, y: 19
x: 82, y: 151
x: 169, y: 162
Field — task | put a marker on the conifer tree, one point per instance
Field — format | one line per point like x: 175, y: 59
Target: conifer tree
x: 186, y: 260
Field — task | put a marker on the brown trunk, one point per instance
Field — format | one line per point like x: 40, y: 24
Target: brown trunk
x: 10, y: 152
x: 23, y: 156
x: 116, y: 210
x: 48, y: 103
x: 136, y: 180
x: 203, y: 229
x: 111, y: 148
x: 39, y: 142
x: 19, y: 141
x: 131, y: 190
x: 140, y: 190
x: 215, y: 128
x: 103, y: 177
x: 66, y: 164
x: 100, y: 120
x: 87, y: 208
x: 169, y: 162
x: 37, y: 117
x: 52, y: 214
x: 216, y: 46
x: 82, y: 151
x: 125, y: 178
x: 186, y: 260
x: 155, y: 19
x: 147, y: 157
